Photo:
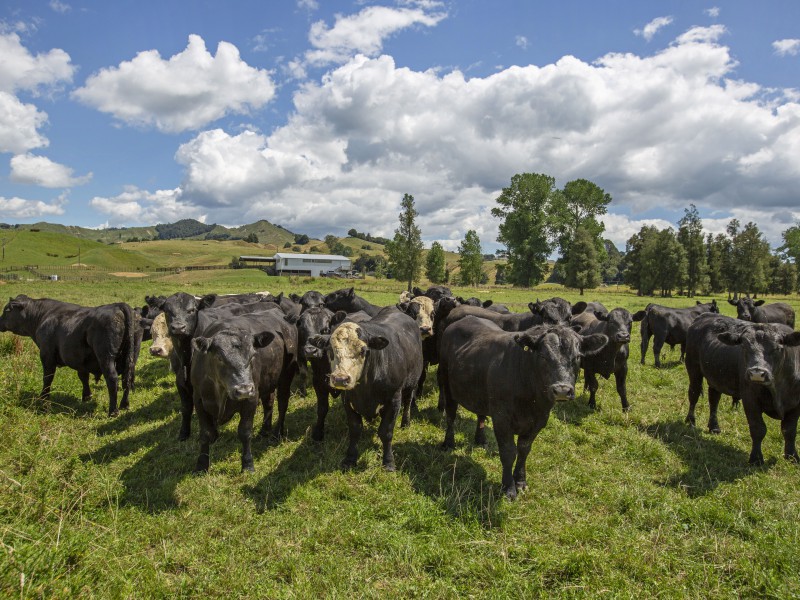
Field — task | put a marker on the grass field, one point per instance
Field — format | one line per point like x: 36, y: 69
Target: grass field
x: 620, y: 504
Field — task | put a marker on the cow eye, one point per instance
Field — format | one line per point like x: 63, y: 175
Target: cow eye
x: 326, y: 330
x: 363, y: 350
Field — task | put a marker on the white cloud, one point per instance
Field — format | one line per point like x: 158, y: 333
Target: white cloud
x: 712, y: 12
x: 187, y: 91
x: 139, y: 206
x: 309, y: 5
x: 40, y: 170
x: 650, y: 30
x: 364, y: 32
x: 19, y: 125
x: 19, y: 208
x: 521, y: 41
x: 789, y: 47
x: 21, y: 70
x: 60, y: 7
x: 656, y: 132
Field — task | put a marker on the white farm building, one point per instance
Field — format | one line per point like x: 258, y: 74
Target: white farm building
x: 310, y: 264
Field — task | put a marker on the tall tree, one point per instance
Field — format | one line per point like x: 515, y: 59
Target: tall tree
x: 578, y: 205
x: 583, y: 267
x: 750, y: 259
x: 610, y: 267
x: 690, y: 236
x: 435, y: 263
x: 405, y: 250
x: 717, y: 247
x: 522, y: 206
x: 655, y: 260
x: 632, y: 263
x: 470, y: 259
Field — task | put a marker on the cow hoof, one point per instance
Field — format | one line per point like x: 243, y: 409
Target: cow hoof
x: 448, y: 446
x: 714, y: 430
x: 113, y: 413
x: 511, y: 494
x: 522, y: 486
x: 591, y: 404
x: 757, y: 461
x: 348, y: 465
x: 689, y: 421
x: 626, y: 408
x: 317, y: 434
x: 390, y: 468
x: 792, y: 457
x: 248, y: 468
x: 183, y: 436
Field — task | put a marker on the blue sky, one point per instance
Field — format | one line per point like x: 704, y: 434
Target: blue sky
x: 319, y: 116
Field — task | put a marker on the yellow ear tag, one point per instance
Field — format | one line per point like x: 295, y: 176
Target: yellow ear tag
x: 526, y: 348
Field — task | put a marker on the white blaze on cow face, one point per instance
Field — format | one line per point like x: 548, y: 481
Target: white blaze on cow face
x: 425, y: 315
x: 347, y: 355
x: 162, y: 342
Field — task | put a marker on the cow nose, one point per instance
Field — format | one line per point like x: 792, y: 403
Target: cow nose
x: 244, y: 390
x: 339, y: 381
x: 623, y: 337
x: 425, y: 330
x: 154, y: 351
x: 758, y: 375
x: 177, y: 329
x: 310, y: 351
x: 563, y: 392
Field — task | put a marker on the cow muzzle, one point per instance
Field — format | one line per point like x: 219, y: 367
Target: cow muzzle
x: 622, y: 338
x: 340, y: 382
x: 425, y: 331
x: 759, y: 375
x: 310, y: 351
x: 244, y: 391
x: 158, y: 351
x: 562, y: 392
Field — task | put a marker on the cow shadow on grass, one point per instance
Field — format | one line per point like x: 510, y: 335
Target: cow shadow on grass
x: 574, y: 411
x: 708, y: 461
x: 454, y: 480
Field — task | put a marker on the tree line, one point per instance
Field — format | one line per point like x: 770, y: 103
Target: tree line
x: 539, y: 220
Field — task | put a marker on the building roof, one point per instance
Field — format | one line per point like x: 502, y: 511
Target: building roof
x: 318, y: 256
x: 255, y: 258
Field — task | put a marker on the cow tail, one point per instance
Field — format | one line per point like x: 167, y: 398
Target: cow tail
x: 128, y: 351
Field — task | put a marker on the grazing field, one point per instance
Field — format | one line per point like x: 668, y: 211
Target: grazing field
x: 631, y: 504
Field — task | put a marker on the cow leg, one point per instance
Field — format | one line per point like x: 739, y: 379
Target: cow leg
x: 713, y: 404
x: 789, y: 431
x: 593, y: 385
x: 112, y: 383
x: 48, y: 373
x: 755, y: 421
x: 683, y: 352
x: 321, y: 389
x: 735, y: 402
x: 508, y: 453
x: 245, y: 432
x: 208, y: 435
x: 621, y: 379
x: 480, y: 432
x: 408, y: 397
x: 185, y: 394
x: 354, y: 426
x: 386, y: 428
x: 422, y: 377
x: 645, y: 344
x: 267, y: 402
x: 658, y: 345
x: 450, y: 408
x: 695, y: 390
x: 87, y: 390
x: 440, y: 381
x: 284, y: 391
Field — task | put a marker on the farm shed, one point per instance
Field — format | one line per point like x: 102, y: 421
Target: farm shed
x: 309, y: 264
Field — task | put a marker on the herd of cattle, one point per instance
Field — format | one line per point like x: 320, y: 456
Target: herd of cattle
x: 229, y: 352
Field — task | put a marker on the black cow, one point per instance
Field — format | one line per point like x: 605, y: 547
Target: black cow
x: 435, y: 292
x: 236, y: 362
x: 770, y: 370
x: 613, y: 358
x: 376, y: 364
x: 309, y: 299
x: 348, y: 301
x: 515, y: 378
x: 97, y: 341
x: 596, y: 308
x: 748, y: 309
x: 669, y: 326
x: 710, y: 359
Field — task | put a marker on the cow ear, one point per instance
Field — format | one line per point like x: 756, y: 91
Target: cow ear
x: 206, y: 301
x: 592, y: 344
x: 527, y: 341
x: 351, y: 293
x: 201, y: 344
x: 601, y: 316
x: 279, y: 297
x: 791, y: 339
x: 578, y: 307
x: 639, y: 315
x: 402, y: 307
x: 377, y: 342
x: 320, y: 341
x: 263, y: 339
x: 487, y: 303
x: 459, y: 299
x: 732, y: 302
x: 417, y: 291
x: 293, y: 319
x: 730, y: 339
x: 758, y: 303
x: 337, y: 318
x: 534, y: 307
x: 294, y: 297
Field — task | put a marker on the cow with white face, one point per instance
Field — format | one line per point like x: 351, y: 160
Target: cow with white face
x: 376, y: 364
x: 162, y: 346
x: 419, y: 308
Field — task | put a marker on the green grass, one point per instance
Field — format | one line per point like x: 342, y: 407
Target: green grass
x: 619, y: 505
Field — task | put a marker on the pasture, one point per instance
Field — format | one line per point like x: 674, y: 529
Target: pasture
x: 620, y: 504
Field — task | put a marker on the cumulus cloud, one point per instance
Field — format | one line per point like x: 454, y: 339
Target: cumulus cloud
x: 365, y: 32
x: 309, y: 5
x: 650, y: 30
x: 19, y: 125
x: 40, y: 170
x: 60, y: 7
x: 521, y: 41
x: 20, y: 208
x: 788, y: 47
x: 185, y: 92
x: 712, y: 12
x: 21, y: 70
x: 134, y: 205
x: 659, y: 131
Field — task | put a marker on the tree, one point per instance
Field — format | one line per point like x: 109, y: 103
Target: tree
x: 252, y: 238
x: 582, y: 267
x: 500, y: 274
x: 577, y: 205
x: 610, y: 268
x: 301, y: 239
x: 717, y: 248
x: 470, y: 259
x: 690, y: 236
x: 655, y: 260
x: 435, y: 264
x: 523, y: 210
x: 632, y: 263
x: 782, y: 276
x: 405, y: 250
x: 750, y: 254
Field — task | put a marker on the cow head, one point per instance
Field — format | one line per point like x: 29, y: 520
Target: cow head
x: 347, y: 349
x: 421, y: 310
x: 619, y: 323
x: 313, y: 321
x: 340, y: 299
x: 162, y: 342
x: 745, y: 307
x: 181, y: 310
x: 14, y: 317
x: 764, y: 353
x: 312, y: 298
x: 557, y: 352
x: 231, y: 353
x: 548, y: 311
